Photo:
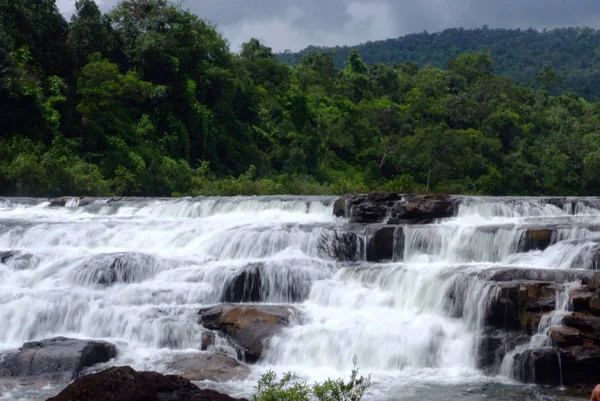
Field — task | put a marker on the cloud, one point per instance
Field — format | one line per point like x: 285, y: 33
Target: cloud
x: 295, y: 24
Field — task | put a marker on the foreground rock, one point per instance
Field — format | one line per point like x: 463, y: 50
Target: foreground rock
x: 125, y: 384
x: 248, y: 326
x: 56, y: 359
x: 212, y: 367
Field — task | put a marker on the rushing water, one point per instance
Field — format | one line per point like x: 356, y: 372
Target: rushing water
x: 136, y: 272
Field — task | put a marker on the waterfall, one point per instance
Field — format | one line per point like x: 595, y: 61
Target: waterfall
x: 137, y: 271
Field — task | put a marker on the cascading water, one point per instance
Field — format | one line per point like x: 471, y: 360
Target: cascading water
x: 136, y: 272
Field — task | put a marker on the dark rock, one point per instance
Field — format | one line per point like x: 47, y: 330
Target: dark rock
x: 587, y: 324
x: 594, y: 283
x: 213, y: 367
x: 339, y: 207
x: 423, y: 209
x: 548, y: 275
x: 245, y: 287
x: 57, y: 357
x: 249, y: 326
x: 59, y: 202
x: 578, y: 365
x: 536, y: 240
x: 581, y: 300
x: 494, y: 345
x: 125, y: 384
x: 520, y: 304
x: 380, y: 246
x: 564, y: 336
x: 594, y: 305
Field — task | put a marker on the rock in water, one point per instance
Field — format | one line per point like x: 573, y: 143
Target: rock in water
x: 125, y: 384
x: 57, y: 358
x: 249, y: 326
x: 212, y: 367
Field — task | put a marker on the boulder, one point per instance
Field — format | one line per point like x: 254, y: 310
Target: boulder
x: 423, y: 209
x: 587, y: 324
x: 371, y: 208
x: 581, y: 299
x: 56, y: 358
x: 248, y: 326
x: 213, y: 367
x: 125, y: 384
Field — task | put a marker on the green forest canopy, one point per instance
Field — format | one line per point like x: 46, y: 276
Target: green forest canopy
x: 519, y: 54
x: 148, y: 100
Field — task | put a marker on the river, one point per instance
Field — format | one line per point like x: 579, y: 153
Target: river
x: 393, y: 317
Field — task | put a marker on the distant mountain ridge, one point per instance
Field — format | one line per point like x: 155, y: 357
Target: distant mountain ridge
x: 574, y: 53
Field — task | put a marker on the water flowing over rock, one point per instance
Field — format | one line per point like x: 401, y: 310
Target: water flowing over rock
x: 125, y: 384
x: 250, y: 327
x: 420, y: 288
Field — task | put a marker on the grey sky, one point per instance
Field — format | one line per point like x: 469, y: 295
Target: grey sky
x: 295, y: 24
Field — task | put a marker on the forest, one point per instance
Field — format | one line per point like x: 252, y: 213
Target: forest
x: 149, y: 100
x: 518, y: 54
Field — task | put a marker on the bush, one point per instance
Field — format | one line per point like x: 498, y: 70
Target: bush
x: 291, y: 388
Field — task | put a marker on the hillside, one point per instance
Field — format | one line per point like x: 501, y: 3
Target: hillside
x: 519, y: 54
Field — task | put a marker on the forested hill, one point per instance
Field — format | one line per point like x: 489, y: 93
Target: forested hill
x: 149, y: 100
x: 519, y: 54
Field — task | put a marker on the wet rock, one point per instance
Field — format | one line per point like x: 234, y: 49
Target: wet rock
x: 59, y: 202
x: 594, y: 305
x: 248, y: 326
x: 213, y: 367
x: 581, y: 300
x: 536, y: 240
x: 494, y: 345
x: 112, y: 268
x: 18, y: 260
x: 520, y: 304
x: 564, y: 336
x: 577, y: 365
x: 125, y: 384
x: 245, y: 287
x: 339, y: 207
x: 58, y: 358
x: 380, y: 246
x: 371, y: 208
x: 423, y: 209
x: 587, y: 324
x: 594, y: 283
x: 547, y: 275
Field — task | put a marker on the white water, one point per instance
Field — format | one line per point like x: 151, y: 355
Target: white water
x: 137, y: 272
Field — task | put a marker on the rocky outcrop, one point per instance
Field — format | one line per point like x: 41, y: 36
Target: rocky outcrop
x: 213, y: 367
x: 577, y: 365
x: 394, y: 208
x: 521, y: 304
x: 125, y: 384
x: 536, y: 239
x: 248, y: 326
x: 56, y: 359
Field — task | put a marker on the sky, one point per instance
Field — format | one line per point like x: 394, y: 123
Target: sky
x: 295, y: 24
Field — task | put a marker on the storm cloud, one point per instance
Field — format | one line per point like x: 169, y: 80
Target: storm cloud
x: 295, y: 24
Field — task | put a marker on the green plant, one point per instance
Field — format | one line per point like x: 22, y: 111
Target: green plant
x: 291, y: 388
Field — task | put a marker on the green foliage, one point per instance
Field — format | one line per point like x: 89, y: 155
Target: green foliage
x: 523, y: 55
x: 291, y: 388
x: 148, y: 100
